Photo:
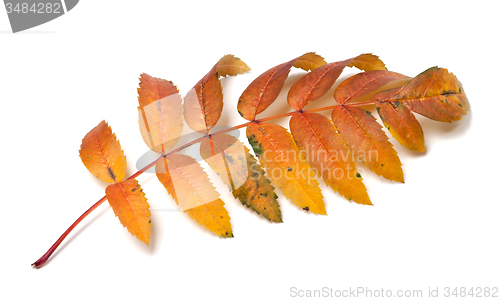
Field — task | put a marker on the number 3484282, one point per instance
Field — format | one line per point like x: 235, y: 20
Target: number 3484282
x: 476, y: 292
x: 34, y: 8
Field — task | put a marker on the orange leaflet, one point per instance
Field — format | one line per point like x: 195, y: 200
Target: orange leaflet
x: 264, y: 90
x: 309, y: 61
x: 364, y: 136
x: 187, y: 182
x: 239, y: 170
x: 131, y: 207
x: 367, y: 62
x: 101, y: 153
x: 229, y: 65
x: 317, y: 82
x: 203, y: 103
x: 367, y: 82
x: 314, y: 84
x: 328, y: 154
x: 286, y: 166
x: 399, y: 120
x: 160, y: 113
x: 435, y: 94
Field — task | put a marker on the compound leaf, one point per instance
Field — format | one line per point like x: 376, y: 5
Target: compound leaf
x: 288, y: 161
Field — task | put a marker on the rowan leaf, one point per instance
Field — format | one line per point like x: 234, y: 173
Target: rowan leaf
x: 319, y: 146
x: 314, y: 84
x: 131, y: 207
x: 203, y: 103
x: 436, y: 94
x: 367, y: 82
x: 160, y: 113
x: 187, y: 182
x: 286, y: 166
x: 365, y: 137
x: 101, y: 153
x: 399, y: 120
x: 264, y: 90
x: 327, y: 153
x: 367, y: 62
x: 239, y: 170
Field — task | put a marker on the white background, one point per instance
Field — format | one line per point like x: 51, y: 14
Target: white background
x: 59, y: 80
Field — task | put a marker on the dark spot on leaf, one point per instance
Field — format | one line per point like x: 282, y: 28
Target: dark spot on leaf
x: 230, y: 159
x: 289, y: 169
x: 111, y: 174
x: 358, y: 175
x: 257, y: 148
x: 382, y: 164
x: 444, y: 92
x: 306, y: 208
